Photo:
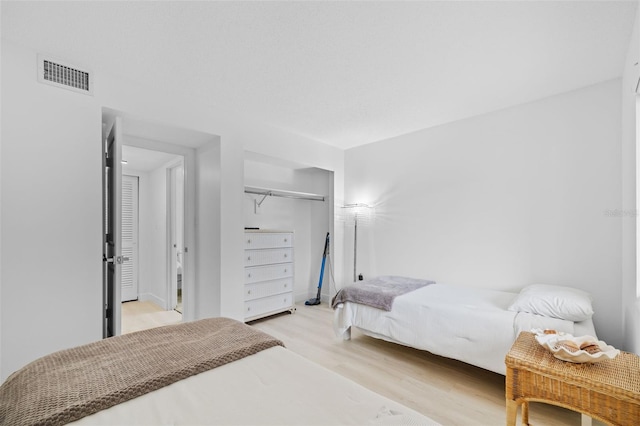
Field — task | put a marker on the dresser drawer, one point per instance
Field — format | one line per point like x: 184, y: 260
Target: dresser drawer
x: 267, y: 256
x: 268, y: 272
x: 259, y: 240
x: 267, y: 288
x: 274, y: 304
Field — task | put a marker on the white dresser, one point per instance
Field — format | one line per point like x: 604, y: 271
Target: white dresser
x: 268, y: 273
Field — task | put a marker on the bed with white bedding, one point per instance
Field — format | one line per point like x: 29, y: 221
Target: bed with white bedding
x: 273, y: 387
x: 469, y: 324
x: 233, y: 375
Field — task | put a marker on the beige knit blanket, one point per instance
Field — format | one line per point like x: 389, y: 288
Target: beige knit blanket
x: 68, y: 385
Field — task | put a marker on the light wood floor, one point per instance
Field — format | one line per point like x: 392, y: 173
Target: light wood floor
x: 448, y: 391
x: 138, y: 315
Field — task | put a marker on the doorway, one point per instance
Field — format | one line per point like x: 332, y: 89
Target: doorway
x: 160, y: 178
x: 200, y: 153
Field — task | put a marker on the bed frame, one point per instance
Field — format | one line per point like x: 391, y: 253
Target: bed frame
x: 468, y: 324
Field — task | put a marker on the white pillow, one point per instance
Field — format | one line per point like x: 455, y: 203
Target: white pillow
x: 555, y: 301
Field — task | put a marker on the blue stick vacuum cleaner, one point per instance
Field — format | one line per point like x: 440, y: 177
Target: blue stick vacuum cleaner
x: 316, y: 301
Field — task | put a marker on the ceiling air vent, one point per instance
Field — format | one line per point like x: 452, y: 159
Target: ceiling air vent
x: 60, y: 74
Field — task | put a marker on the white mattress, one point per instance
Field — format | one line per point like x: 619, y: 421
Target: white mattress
x: 468, y: 324
x: 273, y: 387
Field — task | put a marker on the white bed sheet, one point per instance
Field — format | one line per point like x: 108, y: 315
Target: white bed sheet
x: 273, y: 387
x: 469, y: 324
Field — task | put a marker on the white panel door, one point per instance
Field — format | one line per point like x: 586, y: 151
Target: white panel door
x: 129, y: 238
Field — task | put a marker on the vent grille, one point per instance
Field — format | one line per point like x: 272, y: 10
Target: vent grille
x: 64, y: 75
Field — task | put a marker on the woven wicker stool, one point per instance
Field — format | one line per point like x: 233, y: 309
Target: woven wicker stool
x: 608, y: 391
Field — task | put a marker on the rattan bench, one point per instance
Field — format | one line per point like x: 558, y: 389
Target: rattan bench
x: 608, y: 391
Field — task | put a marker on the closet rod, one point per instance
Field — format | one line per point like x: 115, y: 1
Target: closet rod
x: 282, y: 193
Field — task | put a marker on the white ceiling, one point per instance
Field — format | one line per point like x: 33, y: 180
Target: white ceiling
x: 343, y: 73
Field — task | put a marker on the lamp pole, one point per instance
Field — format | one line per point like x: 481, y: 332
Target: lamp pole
x: 356, y: 210
x: 355, y: 245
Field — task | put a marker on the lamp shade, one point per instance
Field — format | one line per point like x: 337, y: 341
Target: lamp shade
x: 361, y: 213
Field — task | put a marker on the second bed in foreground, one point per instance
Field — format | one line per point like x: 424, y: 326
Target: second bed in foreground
x: 210, y: 372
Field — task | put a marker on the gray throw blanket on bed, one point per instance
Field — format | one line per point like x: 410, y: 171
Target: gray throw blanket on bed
x: 68, y: 385
x: 378, y: 292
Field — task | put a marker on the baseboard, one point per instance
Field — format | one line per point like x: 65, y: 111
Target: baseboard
x: 150, y: 297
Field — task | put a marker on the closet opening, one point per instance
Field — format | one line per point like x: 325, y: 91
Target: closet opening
x: 288, y: 211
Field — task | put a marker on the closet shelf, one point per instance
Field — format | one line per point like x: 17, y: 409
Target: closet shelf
x: 282, y: 193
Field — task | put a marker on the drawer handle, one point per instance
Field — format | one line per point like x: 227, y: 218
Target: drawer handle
x: 248, y: 257
x: 248, y: 275
x: 285, y: 270
x: 285, y: 285
x: 248, y: 241
x: 285, y: 240
x: 248, y: 291
x: 248, y: 308
x: 285, y: 255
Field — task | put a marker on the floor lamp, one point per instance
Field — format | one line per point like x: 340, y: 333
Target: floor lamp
x: 364, y: 213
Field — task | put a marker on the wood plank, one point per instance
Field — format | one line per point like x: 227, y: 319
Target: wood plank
x: 448, y: 391
x: 139, y: 315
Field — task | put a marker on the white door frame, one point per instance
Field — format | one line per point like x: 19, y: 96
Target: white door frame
x: 173, y: 201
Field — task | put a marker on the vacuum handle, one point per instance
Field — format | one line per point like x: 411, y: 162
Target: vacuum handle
x: 326, y: 246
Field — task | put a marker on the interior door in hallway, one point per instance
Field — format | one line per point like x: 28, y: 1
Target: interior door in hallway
x: 129, y: 238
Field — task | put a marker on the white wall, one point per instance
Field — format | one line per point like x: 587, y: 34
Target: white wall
x: 51, y: 213
x: 502, y: 200
x: 321, y: 221
x: 309, y: 220
x: 209, y: 244
x: 630, y: 121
